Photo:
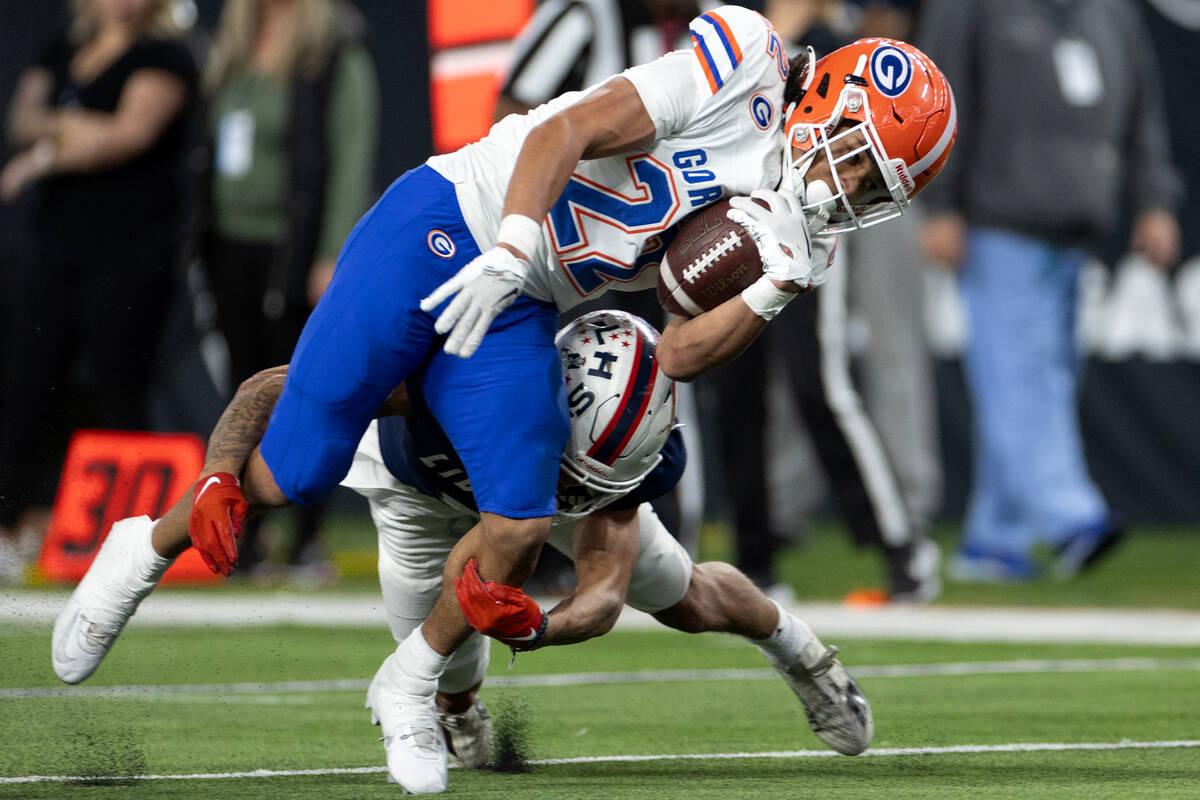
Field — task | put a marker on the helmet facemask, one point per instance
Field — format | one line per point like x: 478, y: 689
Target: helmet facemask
x: 841, y: 143
x: 581, y: 492
x: 877, y: 98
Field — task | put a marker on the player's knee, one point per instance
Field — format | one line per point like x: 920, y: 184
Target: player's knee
x: 511, y: 547
x: 515, y: 535
x: 703, y: 607
x: 691, y: 613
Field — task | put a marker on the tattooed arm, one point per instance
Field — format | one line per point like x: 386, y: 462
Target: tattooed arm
x: 233, y: 449
x: 243, y: 422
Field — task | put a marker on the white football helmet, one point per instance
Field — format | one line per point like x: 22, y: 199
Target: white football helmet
x: 622, y: 408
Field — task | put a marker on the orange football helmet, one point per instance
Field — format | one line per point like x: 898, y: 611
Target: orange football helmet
x: 899, y: 109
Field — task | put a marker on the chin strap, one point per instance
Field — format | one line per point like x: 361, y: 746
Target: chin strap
x: 810, y: 69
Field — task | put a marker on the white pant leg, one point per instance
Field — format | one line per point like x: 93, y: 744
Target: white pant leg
x: 416, y: 534
x: 663, y: 569
x: 886, y: 276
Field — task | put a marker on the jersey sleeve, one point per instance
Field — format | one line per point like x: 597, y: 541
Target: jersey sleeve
x: 734, y: 51
x: 169, y: 56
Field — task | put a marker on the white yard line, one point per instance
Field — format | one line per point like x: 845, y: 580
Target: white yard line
x: 881, y: 752
x: 998, y: 624
x: 272, y: 691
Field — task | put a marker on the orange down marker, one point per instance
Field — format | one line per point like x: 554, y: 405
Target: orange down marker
x: 111, y: 475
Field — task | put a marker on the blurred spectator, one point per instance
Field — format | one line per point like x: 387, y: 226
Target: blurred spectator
x: 1061, y: 131
x: 570, y: 45
x: 885, y: 282
x: 813, y: 352
x: 98, y: 121
x: 293, y: 114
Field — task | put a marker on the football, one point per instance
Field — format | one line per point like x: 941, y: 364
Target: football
x: 710, y: 260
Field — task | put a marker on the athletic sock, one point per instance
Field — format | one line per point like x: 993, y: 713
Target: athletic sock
x: 149, y: 566
x: 791, y: 638
x: 416, y: 667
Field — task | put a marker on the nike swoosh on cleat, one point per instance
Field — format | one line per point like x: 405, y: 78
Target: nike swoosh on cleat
x: 532, y: 635
x: 211, y: 480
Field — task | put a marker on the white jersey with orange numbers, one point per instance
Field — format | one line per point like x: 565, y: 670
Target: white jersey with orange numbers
x: 716, y: 110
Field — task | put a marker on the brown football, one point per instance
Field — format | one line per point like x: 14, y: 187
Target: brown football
x: 710, y: 260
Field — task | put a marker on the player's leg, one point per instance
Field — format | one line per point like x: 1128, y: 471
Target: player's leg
x: 416, y: 533
x: 505, y: 412
x: 137, y: 551
x: 367, y: 333
x: 698, y: 598
x: 135, y: 555
x: 720, y: 598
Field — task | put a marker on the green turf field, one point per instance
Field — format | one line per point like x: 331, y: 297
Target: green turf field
x: 225, y: 726
x: 185, y: 729
x: 1155, y: 566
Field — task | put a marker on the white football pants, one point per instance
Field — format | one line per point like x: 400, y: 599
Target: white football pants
x: 417, y: 533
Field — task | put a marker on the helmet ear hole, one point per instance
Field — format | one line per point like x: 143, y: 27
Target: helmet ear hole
x: 823, y: 87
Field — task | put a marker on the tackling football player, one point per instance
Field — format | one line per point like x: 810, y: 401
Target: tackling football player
x: 622, y: 454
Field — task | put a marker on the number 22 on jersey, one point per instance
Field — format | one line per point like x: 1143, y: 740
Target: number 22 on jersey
x: 609, y: 253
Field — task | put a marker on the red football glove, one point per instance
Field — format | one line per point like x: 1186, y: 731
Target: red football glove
x: 218, y: 510
x: 502, y: 612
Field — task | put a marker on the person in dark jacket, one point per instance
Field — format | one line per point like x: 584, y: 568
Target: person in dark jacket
x: 1061, y: 131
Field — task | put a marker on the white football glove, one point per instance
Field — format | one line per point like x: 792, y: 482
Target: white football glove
x: 781, y: 233
x: 823, y: 247
x: 815, y: 192
x: 485, y: 287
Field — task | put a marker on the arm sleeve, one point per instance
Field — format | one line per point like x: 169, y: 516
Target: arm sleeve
x: 945, y: 31
x: 169, y: 56
x: 353, y: 133
x: 670, y: 90
x: 548, y: 55
x: 1154, y: 180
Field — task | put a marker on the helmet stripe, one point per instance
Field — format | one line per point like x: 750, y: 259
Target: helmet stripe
x: 628, y: 415
x: 943, y: 142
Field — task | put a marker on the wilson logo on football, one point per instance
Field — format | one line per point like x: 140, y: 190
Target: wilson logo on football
x: 891, y: 70
x: 441, y: 244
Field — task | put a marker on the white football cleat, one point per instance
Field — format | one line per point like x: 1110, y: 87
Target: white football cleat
x: 415, y: 745
x: 837, y: 710
x: 124, y: 571
x: 468, y: 735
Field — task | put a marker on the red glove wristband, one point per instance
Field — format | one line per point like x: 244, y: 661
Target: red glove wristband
x: 218, y: 510
x: 503, y: 612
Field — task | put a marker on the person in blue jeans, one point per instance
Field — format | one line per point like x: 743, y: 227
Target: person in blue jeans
x: 1063, y: 130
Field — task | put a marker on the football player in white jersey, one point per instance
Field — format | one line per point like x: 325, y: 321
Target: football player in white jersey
x: 624, y: 451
